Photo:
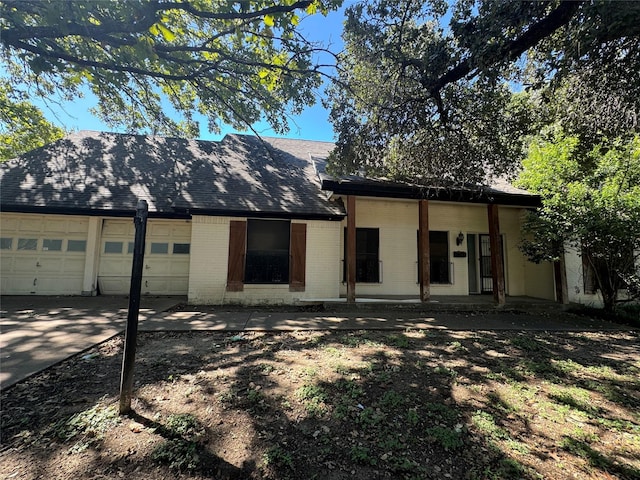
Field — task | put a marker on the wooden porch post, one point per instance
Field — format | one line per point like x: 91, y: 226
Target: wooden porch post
x: 423, y: 251
x: 560, y: 276
x: 497, y: 266
x: 351, y: 249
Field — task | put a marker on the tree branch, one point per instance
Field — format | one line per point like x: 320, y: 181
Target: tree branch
x: 148, y: 17
x: 513, y: 49
x: 187, y: 7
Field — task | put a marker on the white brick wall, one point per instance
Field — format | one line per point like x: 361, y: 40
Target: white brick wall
x: 210, y: 253
x: 575, y: 281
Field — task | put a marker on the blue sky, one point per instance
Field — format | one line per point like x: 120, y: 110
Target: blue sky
x: 312, y: 124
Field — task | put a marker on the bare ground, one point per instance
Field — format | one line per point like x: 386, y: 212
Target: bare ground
x: 335, y: 405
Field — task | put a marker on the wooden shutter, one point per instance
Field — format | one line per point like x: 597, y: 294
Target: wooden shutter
x: 298, y: 257
x: 237, y: 248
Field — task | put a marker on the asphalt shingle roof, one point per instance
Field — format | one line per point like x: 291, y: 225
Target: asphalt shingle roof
x: 240, y: 175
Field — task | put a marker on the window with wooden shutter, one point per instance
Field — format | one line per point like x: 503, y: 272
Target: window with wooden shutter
x: 237, y: 247
x: 298, y: 257
x: 267, y: 257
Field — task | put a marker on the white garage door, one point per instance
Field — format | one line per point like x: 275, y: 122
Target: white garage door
x: 42, y: 254
x: 166, y: 258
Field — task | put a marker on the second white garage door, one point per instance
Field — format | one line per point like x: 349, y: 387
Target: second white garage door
x: 166, y: 259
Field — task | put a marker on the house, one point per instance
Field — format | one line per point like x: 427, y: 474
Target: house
x: 250, y: 221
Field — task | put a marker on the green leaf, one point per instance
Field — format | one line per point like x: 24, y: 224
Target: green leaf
x: 167, y: 34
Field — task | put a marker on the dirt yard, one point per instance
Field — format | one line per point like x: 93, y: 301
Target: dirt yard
x: 335, y: 405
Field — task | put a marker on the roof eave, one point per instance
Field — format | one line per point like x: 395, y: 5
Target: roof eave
x: 92, y: 212
x: 328, y: 216
x: 413, y: 192
x: 178, y: 213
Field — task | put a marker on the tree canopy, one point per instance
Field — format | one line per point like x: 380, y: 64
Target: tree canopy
x: 425, y: 89
x: 22, y: 125
x: 591, y: 202
x: 234, y: 62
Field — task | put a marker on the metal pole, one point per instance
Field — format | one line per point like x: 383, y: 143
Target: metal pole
x: 131, y: 332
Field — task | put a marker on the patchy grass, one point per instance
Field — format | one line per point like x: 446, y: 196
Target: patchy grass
x: 336, y: 405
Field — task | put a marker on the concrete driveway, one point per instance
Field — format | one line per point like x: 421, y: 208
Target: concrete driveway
x: 37, y: 332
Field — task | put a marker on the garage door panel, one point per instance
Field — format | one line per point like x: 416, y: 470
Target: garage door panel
x: 30, y: 224
x: 6, y: 265
x: 114, y: 285
x: 180, y: 268
x: 156, y: 230
x: 180, y: 284
x: 155, y: 284
x: 19, y: 285
x: 166, y: 265
x: 118, y: 228
x: 156, y: 268
x: 177, y: 232
x: 9, y: 226
x: 55, y: 226
x: 74, y: 264
x: 24, y: 264
x: 78, y: 226
x: 115, y: 266
x: 49, y: 285
x: 49, y: 265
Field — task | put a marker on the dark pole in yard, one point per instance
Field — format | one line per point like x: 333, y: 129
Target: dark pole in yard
x: 131, y: 332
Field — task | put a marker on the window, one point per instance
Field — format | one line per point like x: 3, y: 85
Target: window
x: 609, y: 271
x: 112, y: 247
x: 27, y: 244
x: 181, y: 248
x: 76, y: 245
x: 267, y: 255
x: 49, y: 245
x: 439, y: 257
x: 130, y: 247
x: 159, y: 248
x: 367, y: 255
x: 439, y: 270
x: 6, y: 243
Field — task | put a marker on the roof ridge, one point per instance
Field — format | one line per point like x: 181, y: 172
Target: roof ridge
x: 269, y: 137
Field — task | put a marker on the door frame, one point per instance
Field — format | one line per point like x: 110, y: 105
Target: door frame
x: 484, y: 283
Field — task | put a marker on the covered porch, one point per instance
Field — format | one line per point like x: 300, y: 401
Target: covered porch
x: 405, y: 244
